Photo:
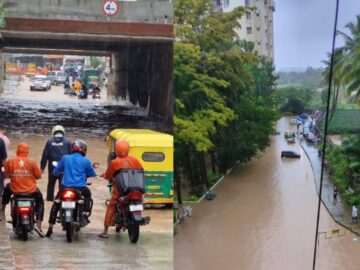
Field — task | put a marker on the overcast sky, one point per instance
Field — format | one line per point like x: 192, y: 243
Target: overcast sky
x: 303, y: 30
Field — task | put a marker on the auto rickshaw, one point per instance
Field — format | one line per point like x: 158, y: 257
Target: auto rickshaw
x: 155, y: 151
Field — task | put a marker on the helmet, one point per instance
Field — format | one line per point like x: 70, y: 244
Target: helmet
x: 58, y: 128
x: 79, y: 146
x: 122, y: 148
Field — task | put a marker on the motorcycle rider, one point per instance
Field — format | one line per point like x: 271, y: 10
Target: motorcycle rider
x: 122, y: 161
x: 54, y: 150
x: 76, y: 168
x: 23, y: 173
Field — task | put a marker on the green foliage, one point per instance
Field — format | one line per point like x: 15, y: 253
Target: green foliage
x: 310, y: 78
x: 3, y: 13
x: 225, y: 104
x: 344, y: 167
x: 344, y: 122
x: 294, y: 99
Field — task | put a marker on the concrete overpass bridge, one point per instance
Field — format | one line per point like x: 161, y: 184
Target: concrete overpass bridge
x: 139, y: 39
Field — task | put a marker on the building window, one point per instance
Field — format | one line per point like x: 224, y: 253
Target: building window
x: 247, y: 3
x: 226, y: 3
x: 258, y: 28
x: 249, y: 30
x: 248, y: 15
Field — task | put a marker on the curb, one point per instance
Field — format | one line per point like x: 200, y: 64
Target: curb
x: 178, y: 222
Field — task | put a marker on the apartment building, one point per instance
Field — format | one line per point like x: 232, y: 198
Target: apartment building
x: 256, y: 26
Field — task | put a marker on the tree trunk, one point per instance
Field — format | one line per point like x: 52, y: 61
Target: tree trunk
x: 213, y: 161
x: 190, y: 168
x: 178, y: 184
x: 203, y: 170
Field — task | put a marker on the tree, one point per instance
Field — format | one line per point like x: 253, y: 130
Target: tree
x: 350, y: 61
x: 224, y: 92
x: 3, y: 13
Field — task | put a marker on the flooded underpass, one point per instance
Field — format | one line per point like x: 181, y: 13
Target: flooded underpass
x: 264, y: 217
x: 29, y: 116
x: 36, y: 111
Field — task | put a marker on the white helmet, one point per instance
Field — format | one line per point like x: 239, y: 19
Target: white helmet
x: 58, y: 128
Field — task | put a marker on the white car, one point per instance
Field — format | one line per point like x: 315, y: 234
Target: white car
x: 295, y: 121
x: 40, y: 82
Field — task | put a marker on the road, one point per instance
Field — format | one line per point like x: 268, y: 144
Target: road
x: 154, y: 249
x: 264, y: 217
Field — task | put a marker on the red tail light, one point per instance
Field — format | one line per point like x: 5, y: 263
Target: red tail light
x: 68, y: 195
x: 135, y: 195
x: 23, y: 210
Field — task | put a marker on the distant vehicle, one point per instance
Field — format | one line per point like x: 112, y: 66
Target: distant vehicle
x: 295, y: 121
x: 289, y: 134
x: 40, y: 82
x: 60, y: 78
x: 311, y: 137
x: 52, y: 76
x: 90, y: 77
x: 289, y: 154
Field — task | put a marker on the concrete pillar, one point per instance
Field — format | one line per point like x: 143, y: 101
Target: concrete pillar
x: 118, y: 79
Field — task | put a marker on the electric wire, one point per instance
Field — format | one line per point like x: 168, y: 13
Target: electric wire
x: 325, y: 130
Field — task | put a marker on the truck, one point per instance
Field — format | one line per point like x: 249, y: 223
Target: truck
x: 90, y: 77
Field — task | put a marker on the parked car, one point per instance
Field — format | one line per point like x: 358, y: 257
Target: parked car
x: 51, y: 76
x: 57, y: 77
x: 60, y: 77
x: 290, y: 154
x: 40, y: 82
x: 295, y: 121
x: 311, y: 137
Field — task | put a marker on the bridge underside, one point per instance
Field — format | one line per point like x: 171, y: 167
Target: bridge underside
x: 141, y: 54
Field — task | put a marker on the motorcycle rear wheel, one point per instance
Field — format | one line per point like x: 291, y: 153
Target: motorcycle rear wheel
x: 24, y: 233
x: 133, y: 231
x: 69, y: 231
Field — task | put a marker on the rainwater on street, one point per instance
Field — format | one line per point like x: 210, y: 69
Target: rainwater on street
x: 264, y: 217
x: 29, y: 116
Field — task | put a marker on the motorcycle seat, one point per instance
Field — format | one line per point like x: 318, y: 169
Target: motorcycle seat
x: 23, y: 196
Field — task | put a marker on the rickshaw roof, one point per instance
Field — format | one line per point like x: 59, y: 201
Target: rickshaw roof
x: 143, y: 137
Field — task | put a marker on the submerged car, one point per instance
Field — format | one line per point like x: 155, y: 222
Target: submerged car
x: 290, y: 154
x: 40, y: 82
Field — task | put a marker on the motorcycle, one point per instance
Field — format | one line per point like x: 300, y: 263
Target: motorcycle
x: 22, y: 214
x: 128, y: 214
x: 73, y: 215
x: 96, y: 93
x: 83, y: 94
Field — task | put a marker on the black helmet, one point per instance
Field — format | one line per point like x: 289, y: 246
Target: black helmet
x: 79, y: 146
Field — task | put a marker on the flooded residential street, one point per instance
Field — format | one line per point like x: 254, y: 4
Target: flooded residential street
x: 264, y: 217
x: 29, y: 118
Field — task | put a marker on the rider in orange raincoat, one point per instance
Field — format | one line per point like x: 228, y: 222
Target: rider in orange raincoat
x: 23, y: 173
x: 122, y: 161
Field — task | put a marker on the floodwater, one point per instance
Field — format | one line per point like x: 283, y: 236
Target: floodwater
x: 264, y: 217
x: 24, y: 121
x: 35, y: 111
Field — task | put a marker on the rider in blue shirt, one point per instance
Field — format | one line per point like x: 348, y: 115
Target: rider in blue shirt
x: 76, y: 169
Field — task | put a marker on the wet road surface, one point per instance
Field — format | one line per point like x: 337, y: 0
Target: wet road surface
x: 87, y: 251
x: 153, y: 251
x: 35, y: 111
x: 264, y: 217
x: 29, y: 117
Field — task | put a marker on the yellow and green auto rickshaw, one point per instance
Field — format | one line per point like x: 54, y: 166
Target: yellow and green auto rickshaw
x: 155, y: 151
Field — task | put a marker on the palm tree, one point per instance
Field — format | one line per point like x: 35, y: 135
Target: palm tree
x: 350, y: 62
x: 336, y: 77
